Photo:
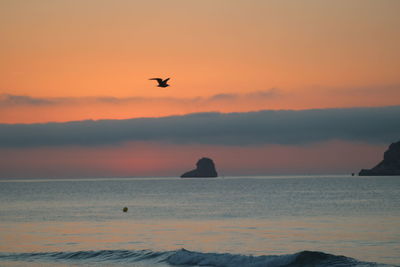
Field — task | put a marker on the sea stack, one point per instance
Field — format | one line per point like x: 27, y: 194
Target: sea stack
x: 390, y: 165
x: 205, y: 168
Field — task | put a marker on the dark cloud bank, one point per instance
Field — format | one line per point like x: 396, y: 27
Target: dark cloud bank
x: 372, y: 125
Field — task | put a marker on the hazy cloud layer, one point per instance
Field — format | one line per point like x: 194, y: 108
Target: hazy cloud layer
x: 391, y: 89
x: 374, y: 125
x: 8, y: 100
x: 18, y: 100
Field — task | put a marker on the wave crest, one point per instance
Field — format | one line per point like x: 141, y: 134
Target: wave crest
x: 304, y: 258
x: 191, y: 258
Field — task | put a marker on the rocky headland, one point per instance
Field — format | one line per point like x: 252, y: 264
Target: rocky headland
x: 390, y: 165
x: 205, y: 167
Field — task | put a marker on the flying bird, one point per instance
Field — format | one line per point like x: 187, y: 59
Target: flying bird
x: 161, y: 82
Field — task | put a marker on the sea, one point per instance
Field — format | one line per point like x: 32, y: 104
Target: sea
x: 293, y: 221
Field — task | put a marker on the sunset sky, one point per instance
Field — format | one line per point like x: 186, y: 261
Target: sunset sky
x: 278, y: 87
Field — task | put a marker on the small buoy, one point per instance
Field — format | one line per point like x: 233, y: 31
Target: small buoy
x: 125, y: 209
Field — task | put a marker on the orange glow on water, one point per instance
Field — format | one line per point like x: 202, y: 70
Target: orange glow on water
x: 262, y: 237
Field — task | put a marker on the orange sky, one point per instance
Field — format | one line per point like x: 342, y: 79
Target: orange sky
x: 317, y: 53
x: 74, y: 60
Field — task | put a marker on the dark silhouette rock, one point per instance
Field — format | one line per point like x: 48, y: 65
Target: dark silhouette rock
x: 390, y: 165
x: 205, y: 168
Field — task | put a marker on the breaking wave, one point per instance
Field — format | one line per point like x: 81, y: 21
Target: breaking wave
x: 184, y: 257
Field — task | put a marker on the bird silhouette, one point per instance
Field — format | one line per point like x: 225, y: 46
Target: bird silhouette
x: 161, y: 82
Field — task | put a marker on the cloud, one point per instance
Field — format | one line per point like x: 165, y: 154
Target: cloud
x: 223, y: 97
x: 270, y: 93
x: 8, y: 100
x: 16, y: 100
x: 384, y: 90
x: 288, y: 127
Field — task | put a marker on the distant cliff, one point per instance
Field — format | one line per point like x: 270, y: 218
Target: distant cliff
x: 390, y: 165
x: 205, y: 168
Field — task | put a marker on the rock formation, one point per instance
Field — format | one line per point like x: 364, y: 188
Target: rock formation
x: 390, y: 165
x: 205, y: 168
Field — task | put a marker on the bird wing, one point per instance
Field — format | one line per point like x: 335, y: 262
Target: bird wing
x: 159, y: 80
x: 166, y: 80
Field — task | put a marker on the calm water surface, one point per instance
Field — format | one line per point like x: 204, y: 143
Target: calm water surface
x: 358, y: 217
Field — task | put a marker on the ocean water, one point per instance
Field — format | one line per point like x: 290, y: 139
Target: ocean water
x: 233, y: 221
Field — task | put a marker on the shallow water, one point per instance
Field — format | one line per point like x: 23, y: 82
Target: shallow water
x: 358, y: 217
